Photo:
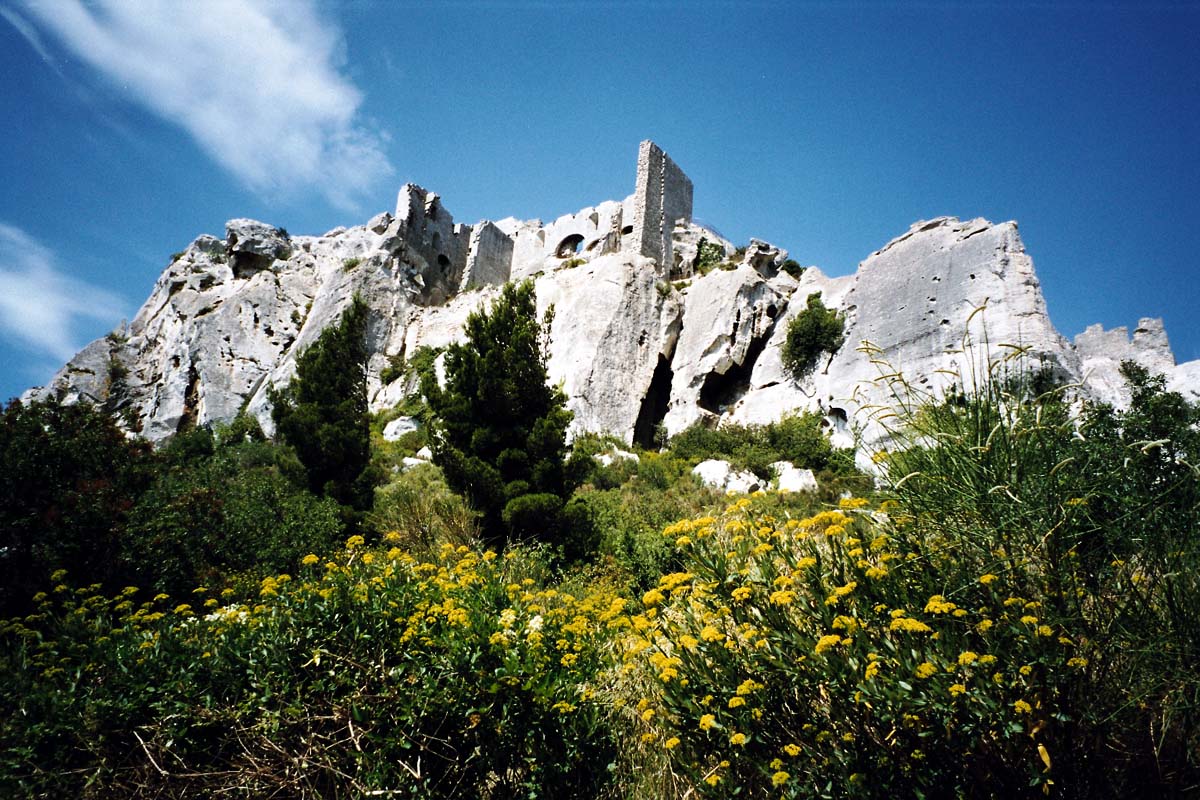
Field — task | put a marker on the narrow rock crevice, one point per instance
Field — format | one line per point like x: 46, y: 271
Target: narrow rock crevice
x: 191, y: 401
x: 654, y: 405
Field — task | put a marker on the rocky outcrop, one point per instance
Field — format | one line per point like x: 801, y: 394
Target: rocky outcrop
x: 635, y: 353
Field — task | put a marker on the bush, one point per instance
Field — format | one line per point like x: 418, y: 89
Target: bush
x: 812, y: 332
x: 222, y: 507
x: 793, y: 268
x: 458, y: 677
x: 796, y: 438
x: 708, y: 256
x: 68, y: 476
x: 421, y: 513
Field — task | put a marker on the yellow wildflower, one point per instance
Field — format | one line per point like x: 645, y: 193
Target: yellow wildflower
x: 939, y: 605
x: 826, y: 642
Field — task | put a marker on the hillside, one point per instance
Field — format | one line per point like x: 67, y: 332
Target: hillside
x: 659, y: 321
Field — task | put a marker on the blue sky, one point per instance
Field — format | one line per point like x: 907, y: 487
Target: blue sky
x: 825, y: 128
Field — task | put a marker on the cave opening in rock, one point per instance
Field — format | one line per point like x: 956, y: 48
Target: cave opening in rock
x: 723, y: 389
x: 654, y: 404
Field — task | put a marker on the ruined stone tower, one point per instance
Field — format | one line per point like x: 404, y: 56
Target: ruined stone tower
x: 662, y: 197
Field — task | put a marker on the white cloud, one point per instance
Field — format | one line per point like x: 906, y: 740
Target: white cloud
x: 31, y: 35
x: 256, y: 84
x: 41, y: 305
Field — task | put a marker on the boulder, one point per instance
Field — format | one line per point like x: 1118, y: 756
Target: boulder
x: 380, y: 222
x: 789, y: 478
x: 720, y: 475
x: 615, y: 455
x: 400, y: 426
x: 256, y: 243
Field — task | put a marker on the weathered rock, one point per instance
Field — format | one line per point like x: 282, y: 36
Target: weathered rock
x: 395, y: 429
x: 764, y: 258
x: 254, y: 245
x: 729, y: 316
x: 719, y: 474
x: 615, y: 455
x: 227, y: 320
x: 379, y: 223
x: 910, y: 303
x: 789, y: 478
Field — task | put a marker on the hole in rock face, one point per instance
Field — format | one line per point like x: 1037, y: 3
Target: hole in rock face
x: 569, y: 246
x: 721, y: 390
x: 654, y: 404
x: 628, y: 229
x: 442, y: 260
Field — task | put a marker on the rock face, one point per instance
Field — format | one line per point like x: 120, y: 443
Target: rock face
x: 635, y: 353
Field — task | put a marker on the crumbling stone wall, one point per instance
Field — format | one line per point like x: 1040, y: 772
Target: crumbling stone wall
x: 428, y: 230
x: 662, y: 197
x: 489, y: 257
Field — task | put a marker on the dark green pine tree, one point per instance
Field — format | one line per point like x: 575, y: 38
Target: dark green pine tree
x: 322, y: 413
x: 501, y: 428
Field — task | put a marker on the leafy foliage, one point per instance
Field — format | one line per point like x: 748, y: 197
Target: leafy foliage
x: 456, y: 677
x: 813, y: 331
x: 708, y: 255
x: 68, y: 477
x: 322, y: 413
x: 501, y: 428
x: 797, y: 438
x: 220, y: 505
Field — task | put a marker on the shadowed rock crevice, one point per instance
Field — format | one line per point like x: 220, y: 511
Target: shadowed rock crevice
x: 722, y: 389
x: 654, y: 404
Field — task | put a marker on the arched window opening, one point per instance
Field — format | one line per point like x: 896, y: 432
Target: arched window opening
x: 569, y: 246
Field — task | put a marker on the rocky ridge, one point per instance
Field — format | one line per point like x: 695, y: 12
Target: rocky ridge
x: 635, y: 343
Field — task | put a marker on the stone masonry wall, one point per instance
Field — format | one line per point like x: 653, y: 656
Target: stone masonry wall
x: 489, y: 257
x: 662, y: 197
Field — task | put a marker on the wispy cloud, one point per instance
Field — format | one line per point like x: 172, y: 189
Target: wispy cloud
x: 39, y: 304
x: 256, y: 84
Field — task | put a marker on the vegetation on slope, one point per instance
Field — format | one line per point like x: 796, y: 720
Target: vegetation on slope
x: 1015, y: 614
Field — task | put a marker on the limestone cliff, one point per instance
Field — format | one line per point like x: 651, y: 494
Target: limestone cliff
x: 640, y: 336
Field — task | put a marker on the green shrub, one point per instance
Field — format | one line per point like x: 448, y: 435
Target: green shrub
x: 420, y: 512
x: 708, y: 255
x: 812, y: 332
x: 795, y: 438
x: 793, y: 268
x: 457, y: 677
x: 69, y: 476
x: 219, y: 509
x: 350, y: 263
x: 393, y: 370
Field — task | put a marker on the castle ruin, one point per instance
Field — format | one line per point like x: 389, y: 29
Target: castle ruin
x: 459, y: 256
